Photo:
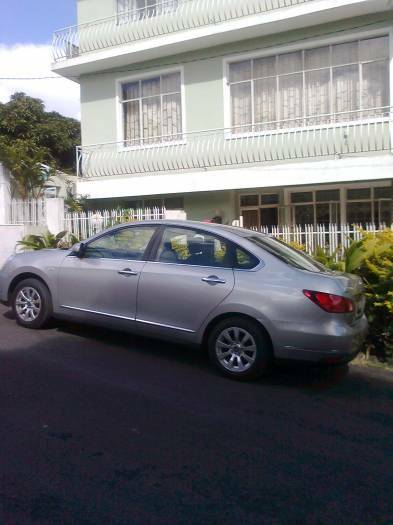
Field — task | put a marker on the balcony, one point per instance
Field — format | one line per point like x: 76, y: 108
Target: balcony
x: 164, y: 18
x: 177, y: 26
x: 324, y: 136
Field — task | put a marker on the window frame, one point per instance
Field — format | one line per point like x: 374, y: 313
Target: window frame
x: 372, y: 200
x: 146, y: 253
x: 120, y: 111
x: 232, y: 245
x: 259, y: 206
x: 315, y: 43
x: 342, y: 186
x: 158, y: 4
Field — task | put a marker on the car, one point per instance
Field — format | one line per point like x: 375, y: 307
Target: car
x: 248, y: 298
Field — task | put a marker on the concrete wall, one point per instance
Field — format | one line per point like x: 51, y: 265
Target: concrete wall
x: 202, y: 206
x: 5, y: 195
x: 198, y: 206
x: 9, y: 236
x: 89, y: 10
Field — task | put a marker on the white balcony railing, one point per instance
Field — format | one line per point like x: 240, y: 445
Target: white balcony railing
x: 166, y: 17
x: 363, y: 131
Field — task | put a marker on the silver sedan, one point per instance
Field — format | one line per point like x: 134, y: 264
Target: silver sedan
x: 246, y: 297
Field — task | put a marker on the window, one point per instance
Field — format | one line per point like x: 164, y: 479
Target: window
x: 285, y: 253
x: 249, y: 200
x: 269, y: 198
x: 125, y: 243
x: 184, y: 246
x: 315, y: 207
x: 244, y: 260
x: 152, y: 110
x: 265, y: 213
x: 303, y: 87
x: 133, y: 10
x: 369, y: 205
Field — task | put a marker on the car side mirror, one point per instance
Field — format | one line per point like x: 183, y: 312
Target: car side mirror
x: 79, y: 249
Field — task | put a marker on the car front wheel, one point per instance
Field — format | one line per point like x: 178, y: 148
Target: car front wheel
x: 31, y: 303
x: 240, y: 348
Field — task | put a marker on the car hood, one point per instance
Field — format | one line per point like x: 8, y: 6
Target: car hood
x: 38, y: 258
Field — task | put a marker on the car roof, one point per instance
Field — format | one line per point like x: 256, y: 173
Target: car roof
x: 207, y: 226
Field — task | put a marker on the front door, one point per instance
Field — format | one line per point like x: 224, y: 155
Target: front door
x: 105, y: 280
x: 190, y: 276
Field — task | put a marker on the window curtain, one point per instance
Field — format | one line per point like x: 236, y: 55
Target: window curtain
x: 317, y: 96
x: 138, y: 9
x: 306, y: 87
x: 152, y: 110
x: 375, y: 87
x: 290, y: 100
x: 132, y: 123
x: 265, y: 103
x: 346, y: 91
x: 241, y: 107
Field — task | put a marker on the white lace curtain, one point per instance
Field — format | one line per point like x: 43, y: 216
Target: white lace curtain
x: 344, y: 79
x: 136, y: 9
x: 152, y: 110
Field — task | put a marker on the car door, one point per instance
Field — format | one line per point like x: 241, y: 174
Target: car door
x: 105, y: 280
x: 189, y: 276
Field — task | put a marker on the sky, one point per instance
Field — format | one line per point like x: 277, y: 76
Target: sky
x: 26, y: 28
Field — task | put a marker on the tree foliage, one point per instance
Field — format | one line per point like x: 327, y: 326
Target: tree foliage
x: 32, y: 138
x: 24, y: 118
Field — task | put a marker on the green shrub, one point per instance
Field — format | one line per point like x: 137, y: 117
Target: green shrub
x: 47, y: 240
x: 376, y: 270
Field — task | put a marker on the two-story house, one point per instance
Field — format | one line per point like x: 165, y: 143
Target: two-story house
x: 275, y: 110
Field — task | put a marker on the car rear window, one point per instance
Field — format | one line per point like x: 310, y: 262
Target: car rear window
x: 287, y: 254
x: 244, y: 260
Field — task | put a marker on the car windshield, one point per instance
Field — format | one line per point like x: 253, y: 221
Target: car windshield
x: 286, y: 253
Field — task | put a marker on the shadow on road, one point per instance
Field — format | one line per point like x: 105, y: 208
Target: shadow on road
x: 292, y: 375
x: 296, y: 375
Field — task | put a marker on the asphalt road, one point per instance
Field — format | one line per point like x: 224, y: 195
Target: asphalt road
x: 103, y: 428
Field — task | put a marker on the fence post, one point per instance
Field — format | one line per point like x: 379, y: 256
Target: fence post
x: 5, y: 195
x: 55, y: 215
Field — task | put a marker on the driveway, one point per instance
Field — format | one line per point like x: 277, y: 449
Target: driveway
x: 104, y: 428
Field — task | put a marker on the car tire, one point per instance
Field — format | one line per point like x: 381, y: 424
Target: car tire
x: 31, y: 303
x: 240, y: 348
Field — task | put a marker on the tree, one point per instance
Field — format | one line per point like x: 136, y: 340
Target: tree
x: 34, y: 143
x: 26, y: 164
x: 24, y: 118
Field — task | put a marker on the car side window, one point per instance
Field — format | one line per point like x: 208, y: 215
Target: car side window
x: 187, y: 246
x: 126, y: 243
x: 244, y: 260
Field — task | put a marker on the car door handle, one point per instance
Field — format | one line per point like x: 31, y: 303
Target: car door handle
x: 213, y: 279
x: 127, y: 271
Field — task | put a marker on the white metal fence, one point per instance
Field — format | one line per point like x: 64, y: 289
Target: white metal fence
x: 31, y: 212
x: 162, y: 18
x: 85, y: 224
x: 334, y: 238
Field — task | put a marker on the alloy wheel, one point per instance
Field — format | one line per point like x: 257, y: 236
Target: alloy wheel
x: 236, y: 349
x: 28, y: 304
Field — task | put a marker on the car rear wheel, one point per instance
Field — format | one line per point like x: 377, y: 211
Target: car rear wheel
x: 31, y: 303
x: 240, y: 348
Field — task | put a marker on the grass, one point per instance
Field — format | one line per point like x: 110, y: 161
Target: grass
x: 373, y: 362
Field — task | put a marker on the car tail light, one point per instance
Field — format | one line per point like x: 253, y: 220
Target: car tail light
x: 334, y: 304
